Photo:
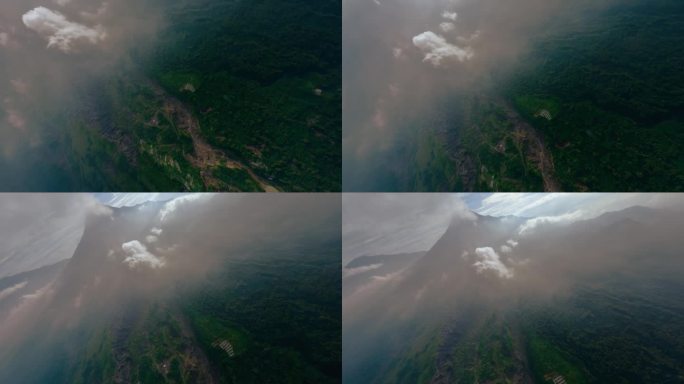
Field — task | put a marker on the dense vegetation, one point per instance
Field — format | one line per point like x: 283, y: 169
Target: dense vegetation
x: 267, y: 83
x: 283, y: 319
x: 604, y: 92
x: 233, y: 95
x: 622, y: 330
x: 279, y: 309
x: 613, y: 85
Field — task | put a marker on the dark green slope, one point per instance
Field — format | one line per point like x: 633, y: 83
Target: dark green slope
x: 597, y: 104
x: 281, y: 320
x: 258, y: 310
x: 616, y: 92
x: 231, y: 95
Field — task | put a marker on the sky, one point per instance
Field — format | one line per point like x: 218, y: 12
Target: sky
x: 118, y: 200
x: 377, y: 224
x: 37, y: 230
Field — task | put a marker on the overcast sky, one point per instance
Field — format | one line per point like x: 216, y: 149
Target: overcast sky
x: 42, y: 229
x: 118, y: 200
x: 397, y: 223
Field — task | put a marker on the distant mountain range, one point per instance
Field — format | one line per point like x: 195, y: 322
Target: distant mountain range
x: 145, y: 300
x: 588, y: 301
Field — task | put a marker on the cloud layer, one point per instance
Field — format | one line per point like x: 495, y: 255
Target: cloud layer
x: 437, y: 50
x: 489, y: 260
x: 137, y: 256
x: 59, y: 31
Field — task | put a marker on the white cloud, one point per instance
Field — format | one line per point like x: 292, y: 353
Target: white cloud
x: 530, y: 225
x: 506, y: 249
x: 355, y: 271
x: 489, y: 260
x: 512, y: 243
x: 388, y: 277
x: 156, y: 231
x: 118, y: 200
x: 8, y: 291
x: 518, y: 204
x: 437, y: 49
x: 39, y: 293
x: 62, y: 2
x: 170, y: 207
x: 59, y: 31
x: 450, y: 15
x: 447, y: 27
x: 137, y: 254
x: 151, y: 239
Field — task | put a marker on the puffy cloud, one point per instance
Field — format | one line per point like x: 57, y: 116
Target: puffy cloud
x: 512, y: 243
x: 170, y: 207
x: 489, y: 260
x: 8, y: 291
x: 151, y: 239
x: 156, y: 231
x: 506, y: 249
x: 437, y: 49
x: 62, y: 2
x: 59, y: 31
x: 450, y: 15
x: 138, y: 255
x: 447, y: 27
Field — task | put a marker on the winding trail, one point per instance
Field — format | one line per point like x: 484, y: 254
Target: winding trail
x: 205, y: 156
x: 537, y: 150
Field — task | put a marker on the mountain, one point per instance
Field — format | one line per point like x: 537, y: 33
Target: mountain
x: 362, y: 270
x: 589, y: 301
x: 201, y: 302
x: 208, y: 95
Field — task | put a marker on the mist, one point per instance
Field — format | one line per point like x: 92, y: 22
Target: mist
x: 484, y: 264
x: 148, y: 253
x: 409, y: 65
x: 54, y: 55
x: 38, y: 230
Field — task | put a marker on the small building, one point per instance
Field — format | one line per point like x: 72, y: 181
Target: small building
x: 226, y: 346
x: 544, y: 113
